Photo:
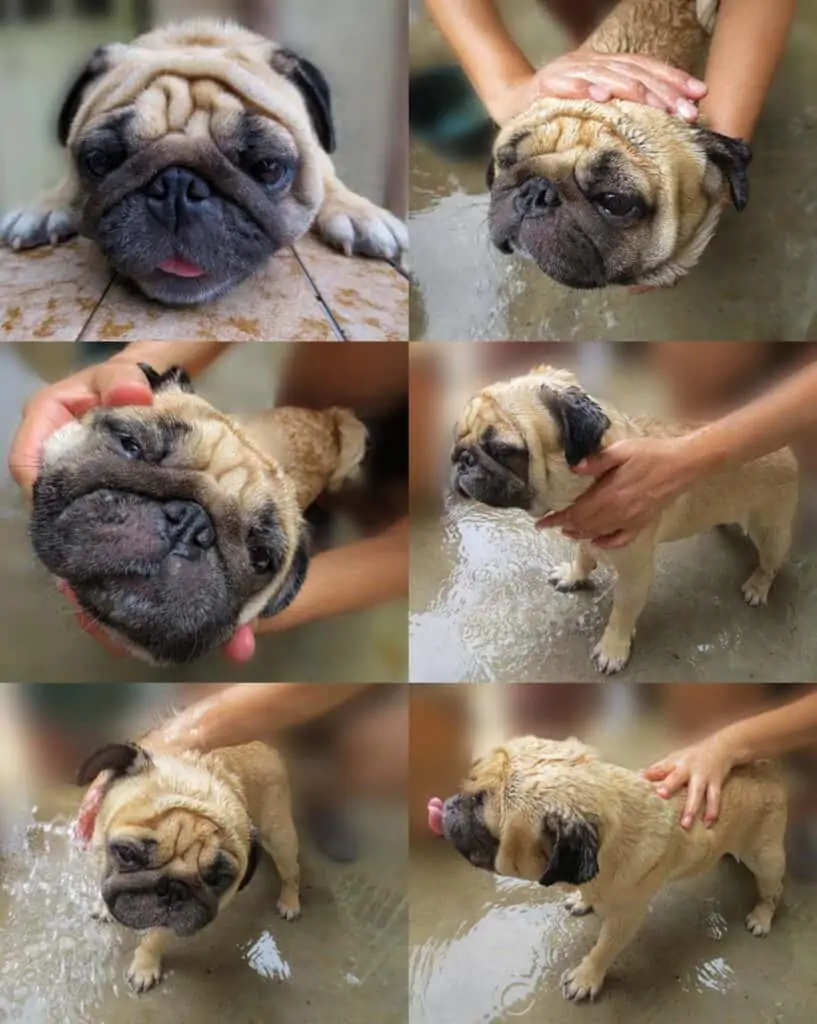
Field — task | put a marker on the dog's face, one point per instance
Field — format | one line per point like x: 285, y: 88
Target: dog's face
x: 616, y: 193
x: 170, y: 525
x: 516, y: 440
x: 173, y: 857
x: 514, y: 814
x: 197, y: 154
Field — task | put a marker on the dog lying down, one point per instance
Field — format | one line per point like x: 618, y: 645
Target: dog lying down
x: 555, y: 813
x: 515, y: 444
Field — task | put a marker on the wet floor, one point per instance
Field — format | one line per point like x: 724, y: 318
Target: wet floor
x: 756, y: 279
x: 367, y: 646
x: 344, y: 960
x: 486, y: 950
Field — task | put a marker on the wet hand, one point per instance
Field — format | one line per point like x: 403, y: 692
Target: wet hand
x: 702, y: 768
x: 636, y: 479
x: 585, y: 74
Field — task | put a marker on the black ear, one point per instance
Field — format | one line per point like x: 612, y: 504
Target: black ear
x: 97, y: 65
x: 731, y: 156
x: 121, y: 758
x: 581, y: 421
x: 174, y: 379
x: 574, y: 855
x: 293, y: 583
x: 253, y: 856
x: 314, y: 88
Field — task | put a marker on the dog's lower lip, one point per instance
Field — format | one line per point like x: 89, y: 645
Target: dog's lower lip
x: 181, y: 268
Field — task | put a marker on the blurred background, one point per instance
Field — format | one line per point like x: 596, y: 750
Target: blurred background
x: 489, y: 949
x: 755, y: 279
x: 481, y: 605
x: 360, y: 45
x: 344, y: 959
x: 366, y: 646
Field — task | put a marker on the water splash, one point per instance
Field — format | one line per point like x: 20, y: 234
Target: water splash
x: 264, y: 957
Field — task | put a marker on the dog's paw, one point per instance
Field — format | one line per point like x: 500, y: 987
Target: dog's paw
x: 759, y: 921
x: 576, y: 906
x: 565, y: 579
x: 36, y: 225
x: 582, y: 982
x: 357, y: 226
x: 100, y: 912
x: 144, y: 972
x: 756, y: 588
x: 611, y: 655
x: 289, y: 906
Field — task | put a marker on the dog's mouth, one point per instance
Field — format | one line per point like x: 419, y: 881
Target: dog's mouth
x: 179, y: 267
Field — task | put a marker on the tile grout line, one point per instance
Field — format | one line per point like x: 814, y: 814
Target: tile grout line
x: 341, y: 336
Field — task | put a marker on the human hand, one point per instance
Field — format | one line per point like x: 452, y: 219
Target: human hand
x: 637, y: 477
x: 702, y: 768
x: 586, y: 74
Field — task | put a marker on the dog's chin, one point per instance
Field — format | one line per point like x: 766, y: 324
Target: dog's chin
x: 488, y: 493
x: 173, y: 290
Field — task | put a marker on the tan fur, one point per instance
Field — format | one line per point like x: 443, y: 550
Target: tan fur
x: 759, y: 495
x: 194, y: 805
x: 565, y: 136
x: 642, y: 846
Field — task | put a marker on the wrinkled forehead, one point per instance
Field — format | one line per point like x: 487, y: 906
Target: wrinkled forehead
x: 166, y: 833
x: 488, y: 413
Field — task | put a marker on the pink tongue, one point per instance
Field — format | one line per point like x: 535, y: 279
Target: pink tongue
x: 435, y: 816
x: 181, y: 268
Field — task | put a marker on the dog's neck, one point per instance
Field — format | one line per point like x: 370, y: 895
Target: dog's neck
x: 672, y: 31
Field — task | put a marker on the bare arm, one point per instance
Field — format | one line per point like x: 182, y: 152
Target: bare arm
x: 245, y: 712
x: 747, y: 45
x: 194, y: 356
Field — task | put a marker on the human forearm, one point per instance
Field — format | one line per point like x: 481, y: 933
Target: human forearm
x: 246, y: 712
x: 350, y: 578
x: 194, y: 356
x: 747, y: 45
x: 772, y: 733
x: 782, y: 415
x: 487, y: 52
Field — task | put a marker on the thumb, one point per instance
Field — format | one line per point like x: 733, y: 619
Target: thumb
x: 123, y: 384
x: 597, y: 465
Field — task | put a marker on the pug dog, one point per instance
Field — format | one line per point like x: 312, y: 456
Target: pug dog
x: 554, y: 813
x: 181, y: 834
x: 173, y: 523
x: 515, y: 445
x: 195, y: 153
x: 617, y: 193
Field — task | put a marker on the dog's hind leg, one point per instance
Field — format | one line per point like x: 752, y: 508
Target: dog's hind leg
x: 280, y: 840
x: 575, y: 574
x: 773, y: 541
x: 768, y: 865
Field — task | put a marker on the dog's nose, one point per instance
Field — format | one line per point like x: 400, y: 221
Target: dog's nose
x: 536, y: 197
x: 176, y: 196
x: 189, y: 529
x: 172, y: 891
x: 466, y: 459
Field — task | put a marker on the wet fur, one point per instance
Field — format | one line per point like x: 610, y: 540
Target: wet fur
x: 536, y: 426
x: 554, y: 813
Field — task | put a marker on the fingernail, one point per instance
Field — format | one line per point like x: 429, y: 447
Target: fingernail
x: 599, y: 93
x: 687, y: 110
x: 663, y: 792
x: 686, y: 821
x: 695, y: 86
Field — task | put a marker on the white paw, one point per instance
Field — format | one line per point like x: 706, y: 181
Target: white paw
x: 356, y: 225
x: 756, y: 588
x: 143, y: 973
x: 611, y: 656
x: 759, y: 922
x: 564, y: 579
x: 36, y: 225
x: 288, y: 909
x: 576, y: 905
x: 582, y: 982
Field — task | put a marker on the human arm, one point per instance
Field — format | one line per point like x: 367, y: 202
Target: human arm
x: 704, y: 766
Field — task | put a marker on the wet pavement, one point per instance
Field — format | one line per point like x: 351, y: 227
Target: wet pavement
x: 756, y: 279
x: 344, y: 960
x: 367, y: 646
x: 486, y: 950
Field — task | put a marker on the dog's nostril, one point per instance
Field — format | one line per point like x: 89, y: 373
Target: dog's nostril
x: 189, y: 528
x: 174, y: 511
x: 205, y: 537
x: 535, y: 197
x: 176, y: 193
x: 467, y: 459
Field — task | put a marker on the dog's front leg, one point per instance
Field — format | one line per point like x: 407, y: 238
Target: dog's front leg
x: 618, y: 927
x: 48, y: 221
x: 145, y: 969
x: 635, y: 571
x: 576, y: 573
x: 353, y: 224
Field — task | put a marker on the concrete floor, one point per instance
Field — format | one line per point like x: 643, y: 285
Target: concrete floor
x: 486, y: 950
x: 344, y: 960
x: 368, y: 646
x: 756, y: 280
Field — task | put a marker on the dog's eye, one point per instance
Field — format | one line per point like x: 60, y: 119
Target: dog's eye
x: 260, y: 559
x: 127, y: 855
x: 130, y: 446
x: 274, y: 172
x: 99, y: 162
x: 617, y: 205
